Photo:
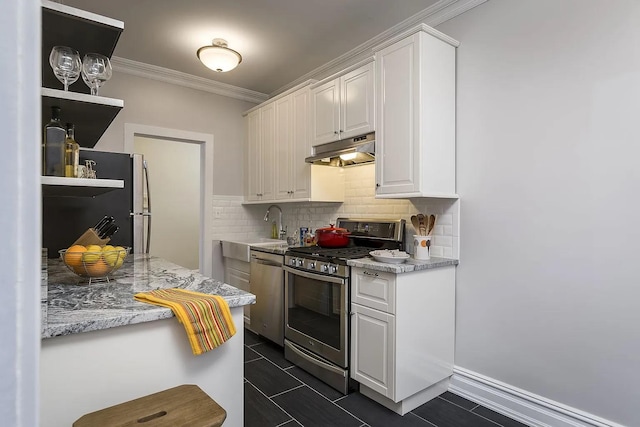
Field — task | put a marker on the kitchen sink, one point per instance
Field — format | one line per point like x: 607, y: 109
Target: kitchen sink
x: 239, y: 248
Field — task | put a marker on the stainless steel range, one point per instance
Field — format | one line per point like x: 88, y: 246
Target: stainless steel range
x: 317, y: 298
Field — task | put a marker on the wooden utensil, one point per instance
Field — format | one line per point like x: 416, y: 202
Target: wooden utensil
x: 432, y: 224
x: 422, y: 225
x: 416, y: 223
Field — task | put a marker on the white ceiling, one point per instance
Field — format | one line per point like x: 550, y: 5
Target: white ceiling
x: 279, y: 40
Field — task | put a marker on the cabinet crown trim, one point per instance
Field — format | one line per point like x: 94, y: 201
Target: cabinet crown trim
x: 418, y: 28
x: 343, y: 72
x: 280, y: 96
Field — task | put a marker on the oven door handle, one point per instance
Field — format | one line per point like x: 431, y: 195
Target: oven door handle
x: 313, y: 276
x: 312, y: 359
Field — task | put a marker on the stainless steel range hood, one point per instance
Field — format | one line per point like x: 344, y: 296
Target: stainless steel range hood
x: 346, y: 152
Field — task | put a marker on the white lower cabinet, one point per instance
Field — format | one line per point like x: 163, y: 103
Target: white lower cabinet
x: 373, y: 335
x: 402, y: 335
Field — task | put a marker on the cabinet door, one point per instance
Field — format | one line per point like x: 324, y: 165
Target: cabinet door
x: 397, y: 121
x: 372, y: 349
x: 254, y: 164
x: 357, y: 102
x: 326, y: 112
x: 301, y: 144
x: 267, y: 158
x: 282, y: 149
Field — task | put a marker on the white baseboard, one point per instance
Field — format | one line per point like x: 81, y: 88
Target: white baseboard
x: 520, y: 405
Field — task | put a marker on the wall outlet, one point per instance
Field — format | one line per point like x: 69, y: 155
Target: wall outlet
x: 217, y: 213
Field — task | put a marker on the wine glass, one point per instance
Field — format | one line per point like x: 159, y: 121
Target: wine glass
x: 66, y: 65
x: 96, y: 69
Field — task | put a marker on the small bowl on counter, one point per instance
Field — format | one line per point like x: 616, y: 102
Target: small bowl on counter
x: 390, y: 256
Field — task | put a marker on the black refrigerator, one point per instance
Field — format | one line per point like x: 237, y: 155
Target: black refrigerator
x: 65, y: 218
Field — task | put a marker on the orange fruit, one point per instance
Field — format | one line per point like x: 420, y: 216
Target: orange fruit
x: 98, y: 268
x: 73, y: 256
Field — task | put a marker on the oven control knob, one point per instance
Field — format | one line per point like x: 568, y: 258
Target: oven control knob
x: 324, y: 268
x: 300, y: 262
x: 333, y: 269
x: 312, y: 265
x: 292, y: 261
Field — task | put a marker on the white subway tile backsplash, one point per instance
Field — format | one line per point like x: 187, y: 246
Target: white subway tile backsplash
x: 238, y: 220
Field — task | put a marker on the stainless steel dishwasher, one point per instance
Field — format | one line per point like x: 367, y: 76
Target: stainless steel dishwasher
x: 266, y: 282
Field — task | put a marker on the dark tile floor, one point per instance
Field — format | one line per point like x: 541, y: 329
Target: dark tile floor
x: 280, y: 394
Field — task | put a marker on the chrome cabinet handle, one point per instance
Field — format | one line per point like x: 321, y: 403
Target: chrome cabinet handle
x: 366, y: 273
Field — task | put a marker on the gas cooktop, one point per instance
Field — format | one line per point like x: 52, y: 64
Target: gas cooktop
x: 366, y: 235
x: 331, y: 254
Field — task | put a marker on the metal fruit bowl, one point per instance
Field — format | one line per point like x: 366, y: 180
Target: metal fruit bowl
x: 94, y: 265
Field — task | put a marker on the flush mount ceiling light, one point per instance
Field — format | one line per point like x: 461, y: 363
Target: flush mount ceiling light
x: 219, y: 57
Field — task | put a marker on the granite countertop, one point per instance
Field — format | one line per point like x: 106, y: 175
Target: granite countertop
x: 410, y: 265
x: 368, y: 262
x: 72, y: 307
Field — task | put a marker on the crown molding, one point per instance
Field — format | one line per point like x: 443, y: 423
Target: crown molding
x: 436, y: 14
x: 166, y: 75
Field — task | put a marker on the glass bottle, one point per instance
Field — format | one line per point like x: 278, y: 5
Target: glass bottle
x: 53, y: 145
x: 71, y: 153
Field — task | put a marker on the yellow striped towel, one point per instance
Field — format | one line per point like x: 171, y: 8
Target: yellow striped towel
x: 206, y: 318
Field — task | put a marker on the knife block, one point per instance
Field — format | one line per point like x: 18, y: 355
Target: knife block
x: 90, y: 237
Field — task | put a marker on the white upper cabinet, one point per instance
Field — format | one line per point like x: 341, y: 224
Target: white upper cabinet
x: 260, y: 154
x: 344, y: 106
x: 284, y: 148
x: 301, y: 145
x: 254, y: 166
x: 415, y: 116
x: 279, y: 140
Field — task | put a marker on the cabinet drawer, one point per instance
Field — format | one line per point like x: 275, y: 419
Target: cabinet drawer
x: 374, y: 289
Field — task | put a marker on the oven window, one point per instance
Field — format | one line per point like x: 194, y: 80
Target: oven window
x: 315, y: 309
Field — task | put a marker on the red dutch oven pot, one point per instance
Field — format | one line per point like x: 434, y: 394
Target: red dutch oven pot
x: 332, y: 237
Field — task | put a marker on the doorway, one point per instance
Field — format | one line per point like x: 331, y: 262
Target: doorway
x: 180, y: 175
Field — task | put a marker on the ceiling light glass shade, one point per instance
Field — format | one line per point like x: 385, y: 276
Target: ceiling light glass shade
x: 219, y: 57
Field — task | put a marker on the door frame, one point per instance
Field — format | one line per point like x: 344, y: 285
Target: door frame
x: 205, y: 140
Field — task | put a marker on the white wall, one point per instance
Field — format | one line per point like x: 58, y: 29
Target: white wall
x: 154, y: 103
x: 547, y: 156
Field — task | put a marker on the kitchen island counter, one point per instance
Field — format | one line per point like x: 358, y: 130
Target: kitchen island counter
x: 129, y: 349
x: 73, y: 307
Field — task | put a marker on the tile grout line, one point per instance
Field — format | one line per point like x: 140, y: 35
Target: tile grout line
x: 315, y: 391
x: 423, y: 419
x: 334, y: 402
x: 270, y: 400
x: 471, y: 410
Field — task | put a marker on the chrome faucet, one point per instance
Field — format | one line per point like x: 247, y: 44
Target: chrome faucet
x: 282, y: 232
